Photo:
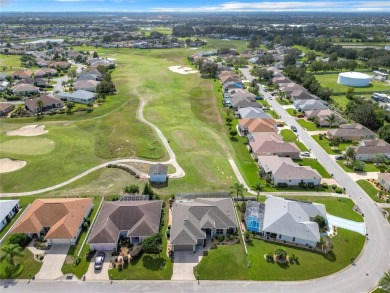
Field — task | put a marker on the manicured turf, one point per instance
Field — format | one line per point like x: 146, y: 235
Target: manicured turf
x: 388, y: 215
x: 330, y: 80
x: 305, y: 50
x: 28, y: 146
x: 340, y: 102
x: 218, y: 43
x: 313, y: 163
x: 370, y: 167
x: 230, y: 262
x: 310, y: 126
x: 11, y: 61
x: 24, y: 266
x: 289, y: 136
x: 370, y: 190
x: 324, y: 143
x: 284, y: 101
x: 292, y: 112
x: 82, y: 267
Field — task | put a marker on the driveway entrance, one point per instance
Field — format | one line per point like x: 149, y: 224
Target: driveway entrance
x: 52, y: 263
x: 100, y: 275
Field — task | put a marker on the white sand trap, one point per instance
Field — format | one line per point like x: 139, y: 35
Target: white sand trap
x: 29, y: 130
x: 182, y: 69
x: 10, y: 165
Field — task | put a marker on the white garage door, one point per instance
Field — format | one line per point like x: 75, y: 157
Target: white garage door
x: 102, y: 246
x: 60, y: 241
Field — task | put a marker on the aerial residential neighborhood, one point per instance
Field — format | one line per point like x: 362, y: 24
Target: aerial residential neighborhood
x: 164, y: 146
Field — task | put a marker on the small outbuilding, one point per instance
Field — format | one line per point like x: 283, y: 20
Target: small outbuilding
x: 158, y: 173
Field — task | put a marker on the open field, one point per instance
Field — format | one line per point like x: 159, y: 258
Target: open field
x: 219, y: 43
x: 340, y: 102
x: 12, y: 62
x: 305, y: 50
x: 330, y: 80
x: 160, y: 29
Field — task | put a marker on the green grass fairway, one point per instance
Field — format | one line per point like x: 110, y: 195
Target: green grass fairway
x: 289, y: 136
x: 330, y: 80
x: 12, y: 62
x: 230, y: 263
x: 28, y: 146
x: 340, y: 102
x: 370, y: 190
x: 313, y: 163
x: 305, y: 50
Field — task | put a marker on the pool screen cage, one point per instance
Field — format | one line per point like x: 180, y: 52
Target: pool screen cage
x: 254, y: 216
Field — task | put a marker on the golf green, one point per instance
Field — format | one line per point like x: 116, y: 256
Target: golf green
x: 28, y: 146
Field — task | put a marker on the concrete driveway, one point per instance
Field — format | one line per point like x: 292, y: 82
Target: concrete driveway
x: 99, y: 275
x: 52, y: 263
x: 358, y: 227
x: 184, y: 263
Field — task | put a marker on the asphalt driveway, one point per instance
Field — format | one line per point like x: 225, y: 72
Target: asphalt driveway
x: 52, y: 263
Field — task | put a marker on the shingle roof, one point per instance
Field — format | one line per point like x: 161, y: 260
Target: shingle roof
x: 351, y: 130
x: 158, y: 168
x: 64, y: 216
x: 6, y: 207
x: 376, y: 146
x: 292, y: 218
x: 250, y: 112
x: 190, y: 217
x: 138, y: 218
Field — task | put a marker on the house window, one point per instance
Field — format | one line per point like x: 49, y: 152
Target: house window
x: 219, y: 231
x: 280, y: 236
x: 293, y: 238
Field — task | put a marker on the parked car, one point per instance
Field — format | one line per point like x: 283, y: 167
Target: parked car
x: 293, y: 128
x: 99, y: 260
x: 339, y: 157
x: 301, y: 116
x: 270, y: 98
x: 305, y: 154
x: 265, y: 90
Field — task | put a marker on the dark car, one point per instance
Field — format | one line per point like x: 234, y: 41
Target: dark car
x: 339, y: 157
x: 99, y: 260
x: 293, y: 128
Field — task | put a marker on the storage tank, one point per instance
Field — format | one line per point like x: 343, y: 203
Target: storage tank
x: 355, y: 79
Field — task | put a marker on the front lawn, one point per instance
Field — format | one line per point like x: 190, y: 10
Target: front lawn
x: 69, y: 266
x: 310, y: 126
x: 292, y: 112
x: 230, y: 262
x: 284, y: 101
x: 369, y: 189
x: 289, y: 136
x: 388, y: 214
x: 325, y: 144
x: 370, y: 167
x: 313, y: 163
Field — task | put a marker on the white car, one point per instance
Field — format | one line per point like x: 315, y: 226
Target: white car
x: 305, y: 154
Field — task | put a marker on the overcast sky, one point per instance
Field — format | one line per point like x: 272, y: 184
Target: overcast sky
x: 194, y: 5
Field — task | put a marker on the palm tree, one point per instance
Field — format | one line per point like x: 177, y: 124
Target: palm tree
x: 332, y: 119
x: 258, y: 187
x: 40, y: 105
x: 384, y: 282
x: 238, y: 189
x: 9, y: 252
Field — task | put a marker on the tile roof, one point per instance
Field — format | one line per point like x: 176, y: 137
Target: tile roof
x: 64, y: 216
x: 259, y: 125
x: 138, y: 218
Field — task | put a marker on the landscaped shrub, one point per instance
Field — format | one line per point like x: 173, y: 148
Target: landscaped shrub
x: 136, y: 251
x: 339, y: 190
x: 293, y: 259
x: 220, y: 238
x: 125, y: 259
x: 231, y: 237
x: 334, y: 186
x: 77, y: 261
x: 282, y: 185
x: 310, y: 185
x: 269, y: 257
x: 21, y: 239
x: 120, y: 266
x: 325, y: 185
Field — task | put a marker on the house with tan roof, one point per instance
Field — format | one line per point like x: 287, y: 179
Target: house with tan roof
x: 265, y: 144
x: 368, y: 149
x: 49, y: 103
x: 284, y: 171
x: 59, y: 220
x: 251, y: 126
x: 20, y: 74
x: 384, y: 180
x: 135, y: 220
x: 195, y: 222
x: 351, y: 132
x: 86, y: 85
x: 321, y: 117
x: 5, y: 108
x: 24, y: 88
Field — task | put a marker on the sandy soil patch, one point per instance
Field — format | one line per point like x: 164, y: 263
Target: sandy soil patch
x: 182, y: 69
x: 184, y: 139
x: 10, y: 165
x: 29, y: 130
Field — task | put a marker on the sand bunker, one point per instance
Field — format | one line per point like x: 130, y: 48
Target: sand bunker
x: 29, y: 130
x: 10, y: 165
x: 182, y: 69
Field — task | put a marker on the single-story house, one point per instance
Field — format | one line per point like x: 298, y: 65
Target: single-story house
x: 322, y: 117
x: 242, y: 94
x: 8, y: 209
x: 251, y: 113
x: 384, y: 180
x: 59, y: 220
x: 135, y: 220
x: 40, y: 82
x: 5, y: 108
x: 86, y: 85
x: 40, y: 73
x: 251, y: 126
x: 300, y: 94
x: 309, y: 105
x: 281, y: 79
x: 232, y: 85
x: 60, y: 64
x: 351, y: 132
x: 230, y: 78
x: 49, y: 103
x: 20, y: 74
x: 24, y: 88
x: 3, y: 76
x: 91, y: 72
x: 368, y: 149
x: 282, y: 170
x: 265, y: 144
x: 239, y: 103
x: 158, y: 173
x: 292, y: 221
x: 195, y: 222
x: 79, y: 96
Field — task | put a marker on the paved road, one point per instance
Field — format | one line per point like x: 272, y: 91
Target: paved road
x: 375, y: 258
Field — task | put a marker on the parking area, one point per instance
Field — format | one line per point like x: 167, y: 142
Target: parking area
x: 99, y: 275
x: 52, y: 263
